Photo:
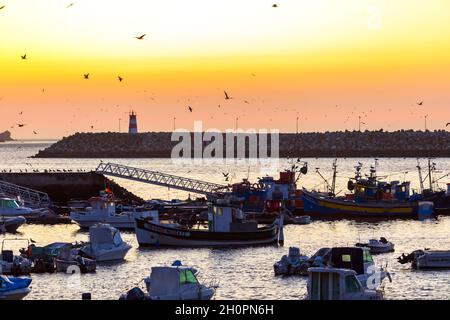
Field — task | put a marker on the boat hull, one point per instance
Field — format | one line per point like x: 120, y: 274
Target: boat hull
x: 320, y: 206
x: 151, y: 234
x: 11, y: 224
x: 17, y: 294
x: 86, y: 223
x: 115, y: 254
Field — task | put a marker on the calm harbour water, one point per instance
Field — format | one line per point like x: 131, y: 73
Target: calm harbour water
x: 243, y: 273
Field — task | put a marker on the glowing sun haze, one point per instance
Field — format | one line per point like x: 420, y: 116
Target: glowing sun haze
x: 326, y: 62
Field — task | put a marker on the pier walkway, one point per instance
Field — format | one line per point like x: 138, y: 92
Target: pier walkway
x: 159, y: 178
x: 31, y: 198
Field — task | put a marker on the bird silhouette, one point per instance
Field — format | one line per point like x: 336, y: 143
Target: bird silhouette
x: 34, y: 132
x: 86, y: 76
x: 2, y: 7
x: 448, y: 124
x: 21, y: 112
x: 227, y: 97
x: 120, y: 78
x: 24, y: 57
x: 420, y: 103
x: 20, y: 125
x: 226, y: 174
x: 190, y: 108
x: 70, y: 4
x: 274, y: 5
x: 141, y: 37
x: 245, y: 101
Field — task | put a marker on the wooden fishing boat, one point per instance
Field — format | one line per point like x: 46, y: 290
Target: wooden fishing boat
x: 226, y: 227
x: 319, y: 205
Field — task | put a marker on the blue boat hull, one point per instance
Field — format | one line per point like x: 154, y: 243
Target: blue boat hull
x: 321, y: 206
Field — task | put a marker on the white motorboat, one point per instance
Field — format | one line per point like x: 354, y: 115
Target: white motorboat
x: 358, y: 259
x: 177, y: 283
x: 427, y: 259
x: 12, y: 288
x: 292, y: 264
x: 103, y: 209
x: 105, y: 244
x: 11, y: 224
x: 338, y: 284
x: 9, y: 207
x: 378, y: 246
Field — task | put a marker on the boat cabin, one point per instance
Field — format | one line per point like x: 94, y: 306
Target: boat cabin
x: 358, y: 259
x: 167, y: 282
x: 104, y: 205
x: 224, y: 216
x: 337, y: 284
x: 104, y: 234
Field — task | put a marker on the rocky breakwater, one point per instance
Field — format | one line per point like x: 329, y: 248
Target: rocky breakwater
x: 403, y: 143
x: 5, y: 136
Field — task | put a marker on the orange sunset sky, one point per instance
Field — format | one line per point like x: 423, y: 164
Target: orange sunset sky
x: 327, y: 62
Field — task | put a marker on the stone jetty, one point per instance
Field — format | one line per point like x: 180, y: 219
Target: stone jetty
x: 403, y: 143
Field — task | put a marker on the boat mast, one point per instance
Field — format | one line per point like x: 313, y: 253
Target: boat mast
x: 333, y: 183
x: 419, y: 168
x: 429, y: 174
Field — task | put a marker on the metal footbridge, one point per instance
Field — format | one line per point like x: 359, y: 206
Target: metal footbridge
x: 30, y: 197
x: 159, y: 178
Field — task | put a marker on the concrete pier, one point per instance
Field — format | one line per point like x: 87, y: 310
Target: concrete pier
x: 61, y: 187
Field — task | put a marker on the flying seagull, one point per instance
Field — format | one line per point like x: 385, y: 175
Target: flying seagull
x: 448, y: 124
x: 86, y: 76
x: 274, y: 5
x: 24, y: 57
x: 34, y: 132
x: 120, y: 78
x: 20, y: 125
x: 225, y: 174
x: 190, y: 108
x: 2, y: 7
x: 141, y: 37
x: 420, y: 103
x: 70, y: 4
x: 227, y: 97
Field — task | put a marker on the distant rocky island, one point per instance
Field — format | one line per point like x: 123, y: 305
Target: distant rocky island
x: 402, y: 143
x: 5, y: 136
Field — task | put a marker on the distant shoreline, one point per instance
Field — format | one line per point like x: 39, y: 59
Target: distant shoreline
x: 347, y: 144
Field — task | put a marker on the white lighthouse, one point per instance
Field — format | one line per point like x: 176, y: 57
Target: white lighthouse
x: 132, y: 128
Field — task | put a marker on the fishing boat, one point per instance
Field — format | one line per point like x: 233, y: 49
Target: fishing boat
x: 12, y: 288
x: 103, y: 209
x: 105, y: 244
x: 427, y: 259
x: 292, y: 264
x: 378, y: 246
x: 338, y: 284
x: 226, y: 227
x: 371, y: 199
x: 11, y: 224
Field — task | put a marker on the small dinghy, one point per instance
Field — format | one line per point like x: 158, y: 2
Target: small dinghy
x: 427, y: 259
x: 14, y: 264
x: 338, y: 284
x: 176, y: 282
x: 70, y: 261
x: 378, y: 246
x: 12, y: 288
x: 11, y: 224
x: 105, y: 244
x: 292, y: 264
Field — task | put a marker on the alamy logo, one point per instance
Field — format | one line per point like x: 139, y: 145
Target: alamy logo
x: 247, y: 146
